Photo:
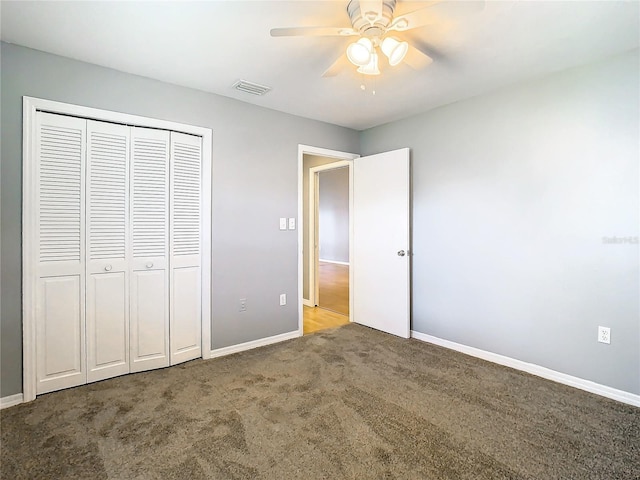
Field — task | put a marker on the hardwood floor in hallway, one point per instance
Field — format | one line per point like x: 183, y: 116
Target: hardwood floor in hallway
x: 316, y: 319
x: 333, y: 308
x: 334, y: 287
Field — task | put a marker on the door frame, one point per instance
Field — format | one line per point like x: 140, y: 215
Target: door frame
x: 30, y: 106
x: 314, y: 217
x: 340, y: 157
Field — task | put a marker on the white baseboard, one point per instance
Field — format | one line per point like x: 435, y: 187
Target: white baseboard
x: 307, y: 303
x: 333, y: 261
x: 220, y: 352
x: 10, y: 401
x: 576, y: 382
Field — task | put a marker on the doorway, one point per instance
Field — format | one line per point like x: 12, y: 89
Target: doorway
x: 328, y: 266
x: 329, y: 207
x: 325, y: 201
x: 379, y: 238
x: 330, y: 213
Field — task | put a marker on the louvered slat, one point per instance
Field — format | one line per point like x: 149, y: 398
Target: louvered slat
x: 59, y: 253
x: 150, y: 174
x: 186, y: 198
x: 150, y: 249
x: 186, y: 266
x: 107, y: 200
x: 60, y: 189
x: 108, y: 250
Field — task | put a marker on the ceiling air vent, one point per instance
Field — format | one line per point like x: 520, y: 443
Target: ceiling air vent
x: 252, y: 88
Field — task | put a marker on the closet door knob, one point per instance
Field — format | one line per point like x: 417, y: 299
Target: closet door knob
x: 108, y: 268
x: 150, y: 264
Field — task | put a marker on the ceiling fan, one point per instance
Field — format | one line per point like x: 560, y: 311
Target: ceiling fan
x: 374, y: 22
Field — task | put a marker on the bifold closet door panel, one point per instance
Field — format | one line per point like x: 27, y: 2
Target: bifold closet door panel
x: 185, y: 244
x: 107, y: 261
x: 58, y: 224
x: 149, y: 327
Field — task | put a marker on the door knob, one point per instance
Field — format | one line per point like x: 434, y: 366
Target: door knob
x: 150, y: 264
x: 107, y: 268
x: 401, y: 253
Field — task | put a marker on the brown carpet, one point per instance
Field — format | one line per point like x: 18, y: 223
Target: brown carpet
x: 346, y: 403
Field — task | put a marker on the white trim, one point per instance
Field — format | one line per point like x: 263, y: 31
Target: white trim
x: 262, y: 342
x: 325, y: 152
x: 51, y: 106
x: 307, y: 303
x: 563, y: 378
x: 11, y: 400
x: 312, y: 236
x: 333, y: 261
x: 30, y: 106
x: 29, y: 227
x: 302, y: 151
x: 206, y: 238
x: 352, y: 233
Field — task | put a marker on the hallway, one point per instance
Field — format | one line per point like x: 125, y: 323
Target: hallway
x: 333, y: 308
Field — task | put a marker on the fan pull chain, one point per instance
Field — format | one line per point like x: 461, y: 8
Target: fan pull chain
x: 363, y: 85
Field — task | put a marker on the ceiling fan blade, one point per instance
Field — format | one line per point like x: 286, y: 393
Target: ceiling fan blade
x: 417, y: 59
x: 371, y: 10
x: 313, y: 32
x: 336, y: 67
x: 434, y: 13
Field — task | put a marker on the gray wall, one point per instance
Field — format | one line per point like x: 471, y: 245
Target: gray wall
x: 334, y: 215
x: 513, y: 193
x: 255, y: 155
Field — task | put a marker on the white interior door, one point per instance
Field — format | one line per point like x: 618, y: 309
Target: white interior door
x: 185, y: 247
x: 59, y: 229
x: 149, y: 233
x: 380, y: 251
x: 107, y: 245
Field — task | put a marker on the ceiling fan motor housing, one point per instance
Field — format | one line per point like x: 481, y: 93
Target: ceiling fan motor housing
x: 372, y: 26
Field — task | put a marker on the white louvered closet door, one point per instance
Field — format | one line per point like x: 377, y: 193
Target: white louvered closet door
x: 149, y: 327
x: 185, y: 261
x: 59, y: 226
x: 107, y: 185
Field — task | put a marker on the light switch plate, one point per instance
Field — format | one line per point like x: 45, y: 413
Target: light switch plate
x: 283, y: 223
x: 292, y: 224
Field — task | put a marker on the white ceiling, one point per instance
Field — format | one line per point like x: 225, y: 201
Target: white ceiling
x: 210, y: 45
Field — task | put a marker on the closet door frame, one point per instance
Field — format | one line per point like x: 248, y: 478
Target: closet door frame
x: 31, y: 106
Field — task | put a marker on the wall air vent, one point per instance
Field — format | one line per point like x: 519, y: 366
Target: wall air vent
x: 252, y: 88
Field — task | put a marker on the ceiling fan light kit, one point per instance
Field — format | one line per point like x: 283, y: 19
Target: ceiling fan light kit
x: 363, y: 53
x: 394, y: 49
x: 370, y: 68
x: 374, y: 22
x: 359, y: 53
x: 372, y: 19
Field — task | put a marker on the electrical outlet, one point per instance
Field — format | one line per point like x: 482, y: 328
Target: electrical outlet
x: 283, y: 223
x: 292, y: 223
x: 283, y: 299
x: 243, y: 304
x: 604, y: 334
